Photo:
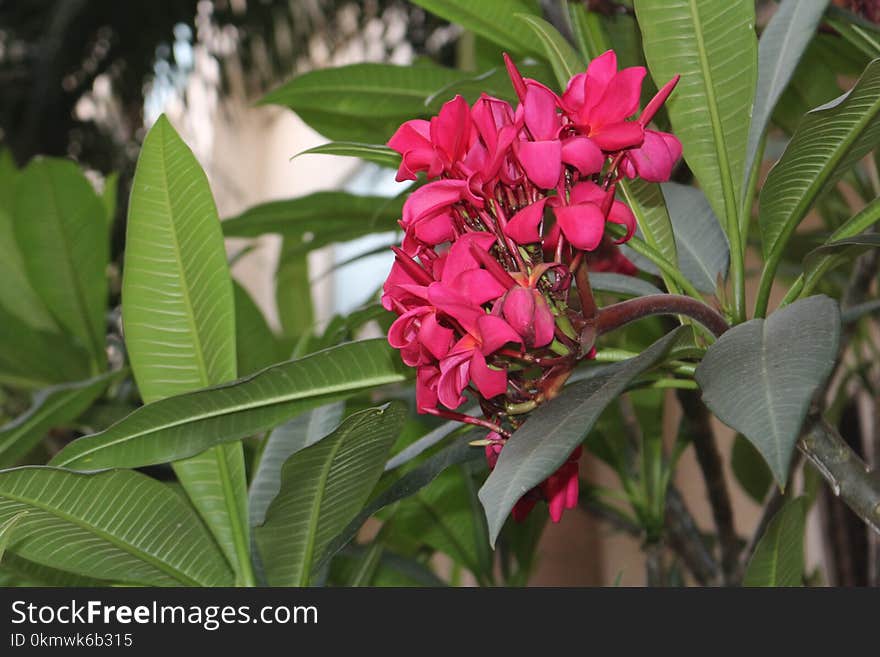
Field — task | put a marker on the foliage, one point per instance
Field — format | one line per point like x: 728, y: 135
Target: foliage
x: 238, y: 455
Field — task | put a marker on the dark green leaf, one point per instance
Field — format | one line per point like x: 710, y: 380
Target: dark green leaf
x: 703, y: 254
x: 555, y: 429
x: 760, y: 376
x: 750, y: 469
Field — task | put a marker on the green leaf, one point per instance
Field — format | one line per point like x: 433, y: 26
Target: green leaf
x: 285, y: 441
x: 555, y: 429
x: 109, y: 197
x: 782, y: 44
x: 52, y: 407
x: 750, y: 470
x: 60, y: 229
x: 375, y: 153
x: 828, y: 141
x: 407, y: 486
x: 779, y: 556
x: 493, y: 19
x: 703, y: 254
x: 648, y: 205
x: 319, y: 218
x: 426, y: 442
x: 855, y: 313
x: 256, y: 347
x: 28, y: 573
x: 118, y: 525
x: 177, y: 427
x: 760, y: 376
x: 565, y: 60
x: 178, y: 308
x: 832, y: 253
x: 179, y: 317
x: 17, y: 295
x: 293, y: 290
x: 32, y: 358
x: 364, y: 91
x: 6, y: 529
x: 631, y: 286
x: 322, y: 488
x: 712, y: 105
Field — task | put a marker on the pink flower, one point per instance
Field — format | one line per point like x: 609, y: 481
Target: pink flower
x: 434, y: 146
x: 527, y: 312
x: 654, y: 159
x: 428, y: 214
x: 582, y: 219
x: 600, y: 100
x: 561, y: 488
x: 542, y: 155
x: 420, y: 337
x: 427, y: 377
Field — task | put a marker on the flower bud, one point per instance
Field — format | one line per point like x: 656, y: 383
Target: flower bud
x: 526, y: 310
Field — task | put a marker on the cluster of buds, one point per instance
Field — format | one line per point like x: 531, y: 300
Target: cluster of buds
x: 516, y: 212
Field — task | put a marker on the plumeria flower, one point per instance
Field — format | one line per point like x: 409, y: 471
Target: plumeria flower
x: 517, y: 202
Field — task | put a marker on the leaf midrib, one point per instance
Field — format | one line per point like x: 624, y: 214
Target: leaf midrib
x: 314, y: 514
x: 717, y: 129
x: 827, y: 172
x: 78, y: 295
x: 146, y: 557
x: 329, y: 390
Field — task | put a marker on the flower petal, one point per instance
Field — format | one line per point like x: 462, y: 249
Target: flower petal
x: 583, y: 154
x: 582, y: 224
x: 489, y: 382
x: 523, y: 226
x: 542, y: 161
x: 617, y: 136
x: 494, y: 333
x: 540, y: 113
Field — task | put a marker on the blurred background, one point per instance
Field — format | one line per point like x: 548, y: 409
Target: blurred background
x: 86, y: 78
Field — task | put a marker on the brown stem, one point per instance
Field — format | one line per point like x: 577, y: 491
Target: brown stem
x: 467, y: 419
x: 585, y: 291
x: 619, y: 314
x: 709, y: 460
x: 850, y: 479
x: 686, y: 541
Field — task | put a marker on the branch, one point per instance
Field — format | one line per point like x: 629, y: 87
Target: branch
x: 716, y: 486
x: 619, y: 314
x: 850, y: 479
x: 687, y: 542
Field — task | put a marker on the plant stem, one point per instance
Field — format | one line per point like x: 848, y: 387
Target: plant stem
x: 687, y: 542
x: 585, y: 291
x: 849, y: 477
x: 620, y: 314
x: 709, y: 460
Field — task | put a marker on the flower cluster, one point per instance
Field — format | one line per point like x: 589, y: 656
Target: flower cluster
x: 517, y: 203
